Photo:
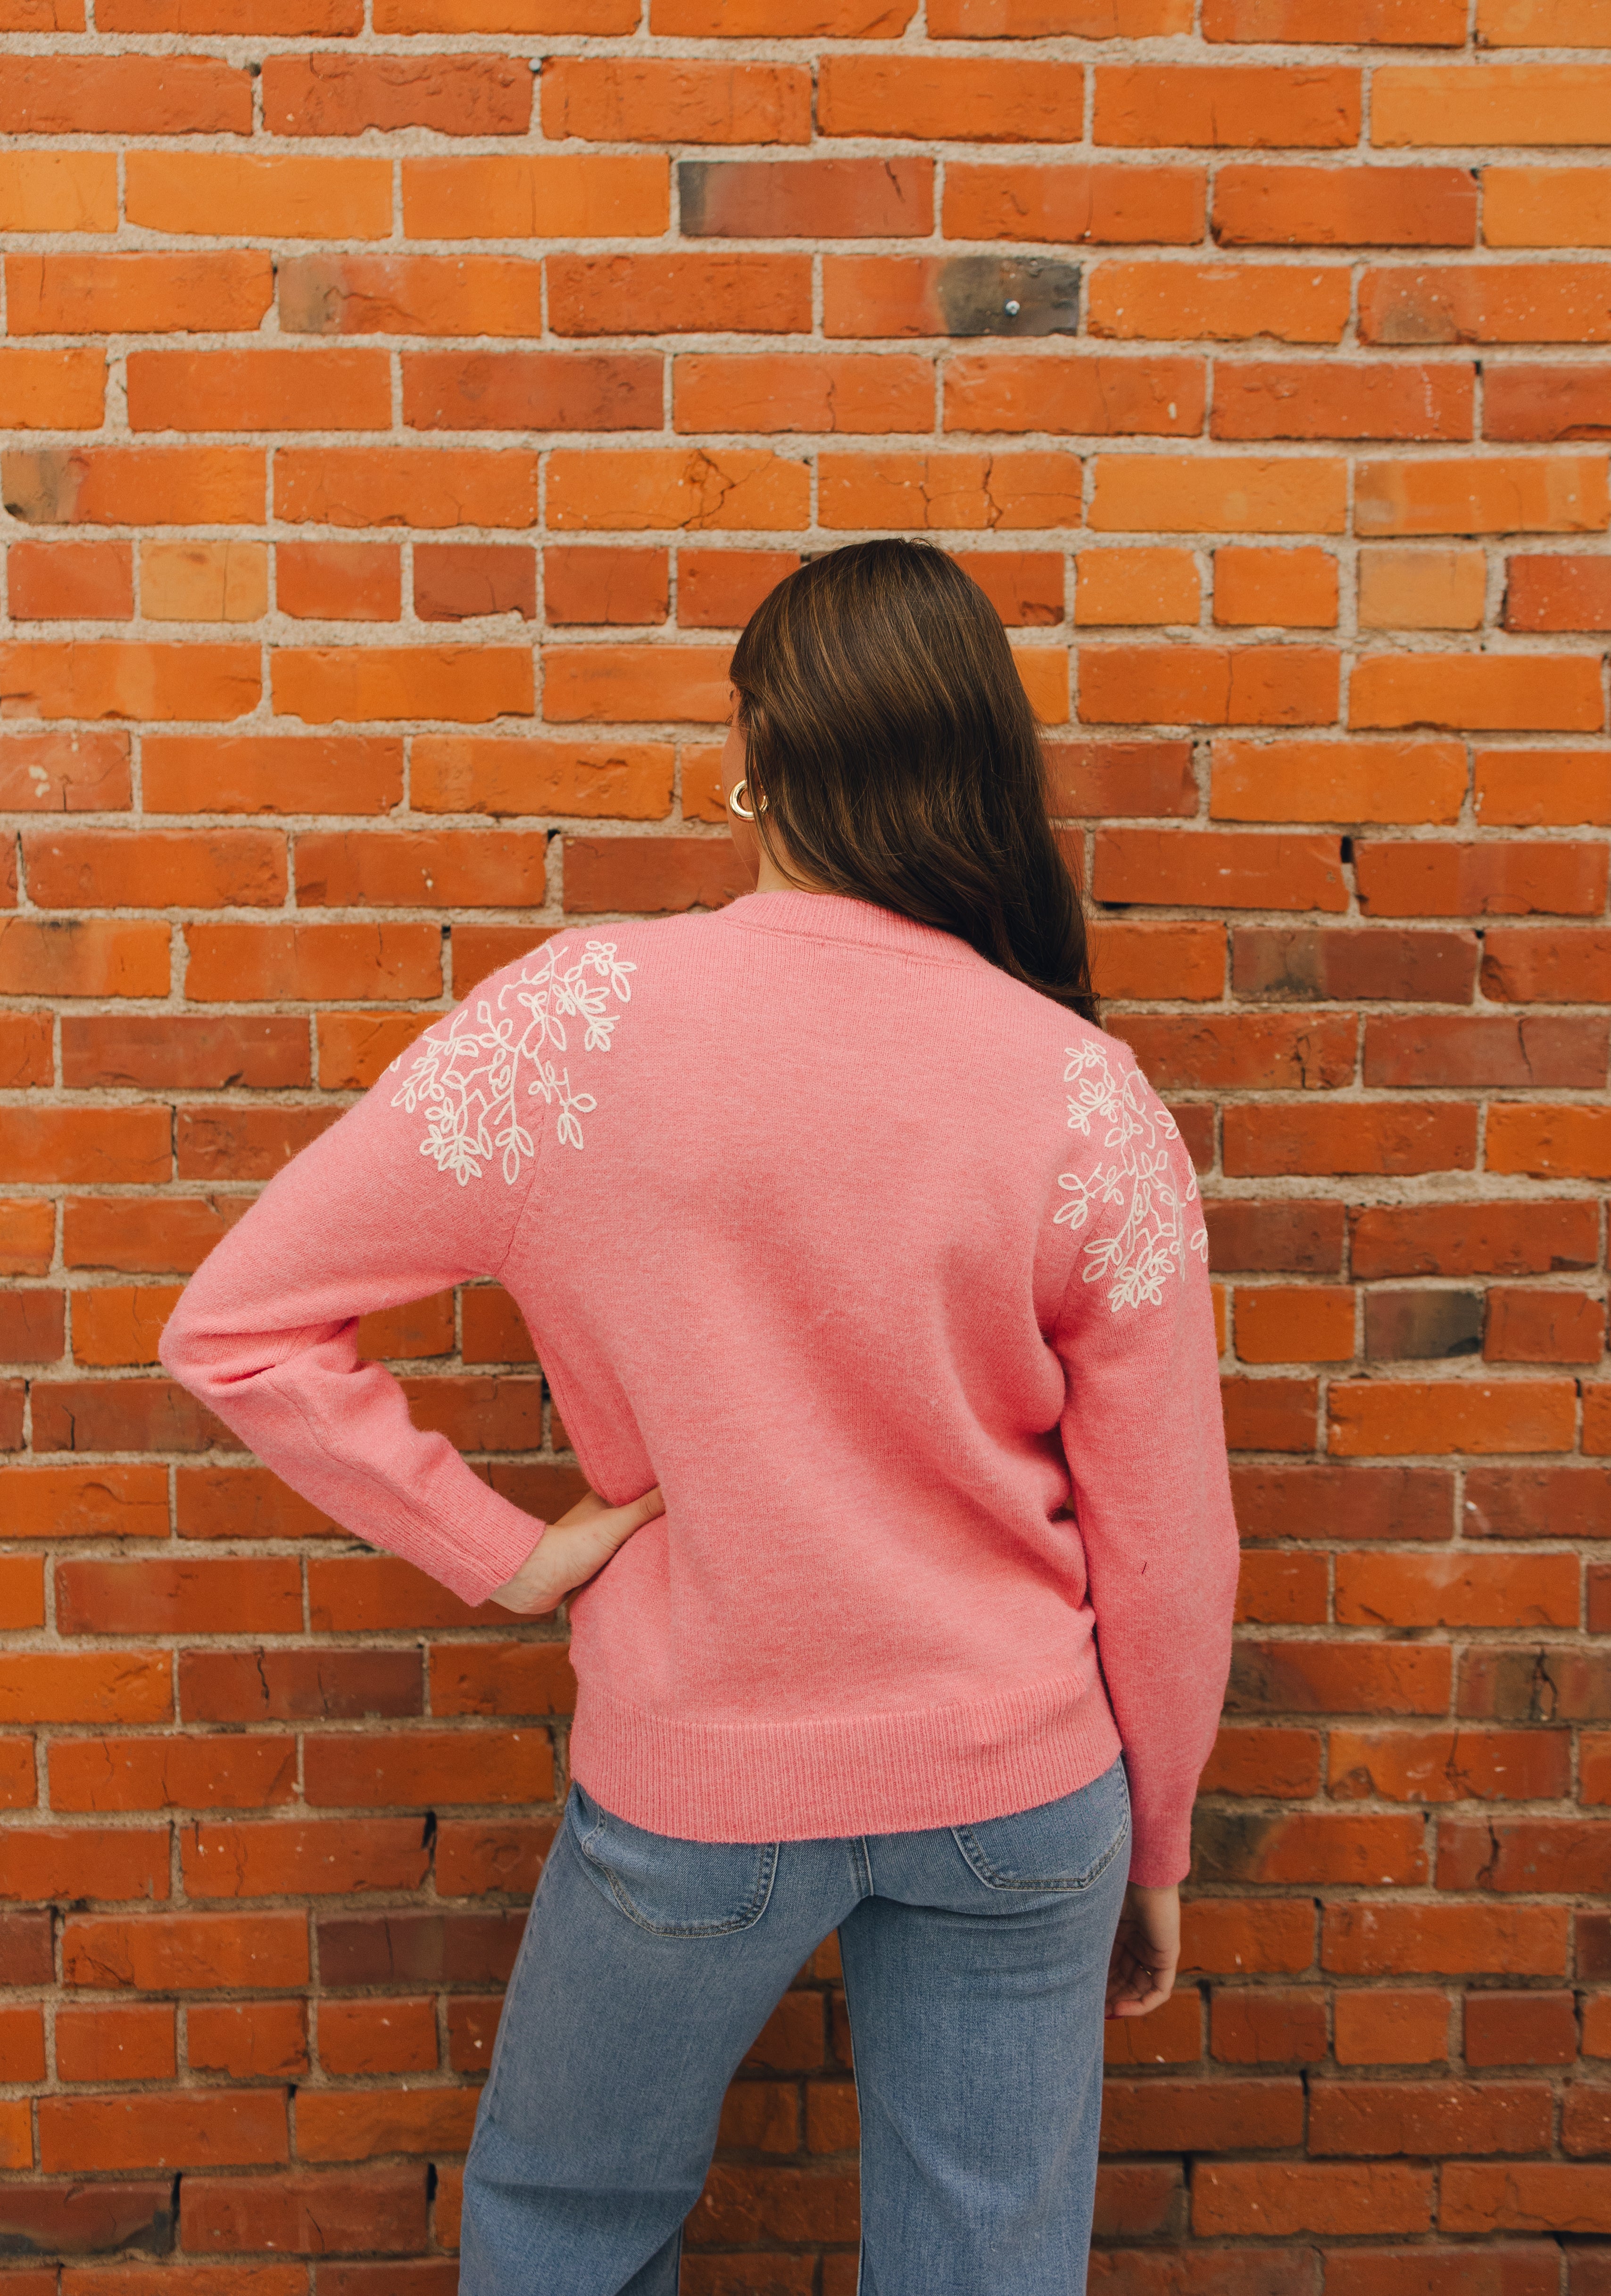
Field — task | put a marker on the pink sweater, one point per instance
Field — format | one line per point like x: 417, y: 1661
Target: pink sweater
x: 891, y: 1272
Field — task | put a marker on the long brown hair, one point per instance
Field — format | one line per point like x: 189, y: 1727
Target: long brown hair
x: 887, y: 728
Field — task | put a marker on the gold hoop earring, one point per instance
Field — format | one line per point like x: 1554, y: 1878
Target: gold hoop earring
x: 743, y: 811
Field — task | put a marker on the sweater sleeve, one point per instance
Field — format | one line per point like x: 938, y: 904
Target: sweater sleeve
x: 1145, y: 1440
x: 413, y: 1189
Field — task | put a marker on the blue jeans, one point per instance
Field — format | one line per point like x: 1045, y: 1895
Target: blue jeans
x: 974, y: 1963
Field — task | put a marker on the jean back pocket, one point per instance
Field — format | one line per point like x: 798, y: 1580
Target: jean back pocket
x: 670, y: 1887
x: 1060, y: 1845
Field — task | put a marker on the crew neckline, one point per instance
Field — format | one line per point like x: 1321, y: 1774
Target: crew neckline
x: 840, y: 917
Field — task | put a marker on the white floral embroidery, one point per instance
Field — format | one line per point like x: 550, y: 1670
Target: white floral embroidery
x: 1154, y: 1239
x: 470, y: 1071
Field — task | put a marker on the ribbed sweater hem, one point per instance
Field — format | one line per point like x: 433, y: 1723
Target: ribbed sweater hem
x: 830, y: 1777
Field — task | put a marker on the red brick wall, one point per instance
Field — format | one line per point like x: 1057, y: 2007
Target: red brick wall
x: 399, y: 434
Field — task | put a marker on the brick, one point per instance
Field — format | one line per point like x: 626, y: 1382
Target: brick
x: 362, y: 2123
x: 1429, y: 2116
x: 1557, y: 594
x: 984, y: 20
x: 1549, y: 1142
x: 1486, y: 1238
x: 100, y: 1145
x: 676, y: 490
x: 215, y: 2128
x: 94, y: 680
x: 1211, y: 685
x: 137, y: 294
x: 83, y: 771
x: 649, y: 875
x: 1137, y: 587
x: 409, y: 295
x: 121, y: 1414
x: 1223, y: 302
x: 474, y: 1857
x: 1252, y: 105
x: 179, y: 1598
x: 363, y: 1592
x: 681, y: 101
x: 1535, y: 1502
x: 1506, y: 23
x: 1509, y: 494
x: 959, y: 295
x: 1155, y: 2116
x: 64, y: 95
x: 636, y: 685
x: 338, y: 581
x: 940, y: 98
x: 1262, y: 1761
x: 336, y: 95
x: 405, y: 486
x: 230, y: 868
x: 994, y: 493
x: 1436, y: 1766
x: 1544, y: 1327
x: 259, y: 390
x: 1290, y: 2198
x: 1387, y: 1418
x: 830, y: 198
x: 311, y: 1858
x: 132, y: 2043
x: 1282, y: 1238
x: 1568, y: 968
x: 559, y: 195
x: 1545, y: 207
x: 695, y: 293
x: 1557, y: 692
x: 1290, y: 589
x: 58, y: 191
x: 1382, y: 2025
x: 468, y: 684
x: 72, y: 581
x: 1344, y: 207
x: 1276, y: 1414
x: 1218, y: 494
x: 1307, y: 1325
x: 604, y: 583
x: 1530, y: 1854
x: 194, y: 1952
x: 234, y: 195
x: 526, y: 390
x: 1305, y: 1847
x: 1389, y: 22
x: 1548, y: 402
x: 1307, y: 962
x: 1422, y: 589
x: 377, y: 2036
x: 1274, y: 399
x: 1247, y: 1936
x: 1485, y: 303
x: 248, y: 2040
x: 131, y: 485
x: 174, y: 1237
x: 1488, y: 103
x: 1074, y: 202
x: 1520, y: 2029
x: 272, y: 774
x: 219, y: 1142
x: 1241, y: 1050
x: 51, y: 390
x: 427, y: 1767
x: 1090, y: 394
x: 306, y: 2213
x: 1266, y: 2026
x: 853, y: 392
x: 87, y: 1687
x: 1416, y: 1326
x: 1221, y: 869
x: 85, y: 1862
x: 287, y: 1685
x: 1338, y: 780
x: 1137, y: 961
x: 1447, y: 1049
x: 88, y: 1774
x: 720, y: 589
x: 630, y: 780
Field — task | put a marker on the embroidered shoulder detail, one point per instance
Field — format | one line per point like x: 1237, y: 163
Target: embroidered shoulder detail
x: 1157, y: 1231
x: 473, y: 1073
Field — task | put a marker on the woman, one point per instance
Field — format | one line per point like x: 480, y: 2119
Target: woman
x: 868, y: 1277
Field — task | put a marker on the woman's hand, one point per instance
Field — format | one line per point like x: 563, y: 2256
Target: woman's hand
x: 1146, y: 1952
x: 571, y: 1550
